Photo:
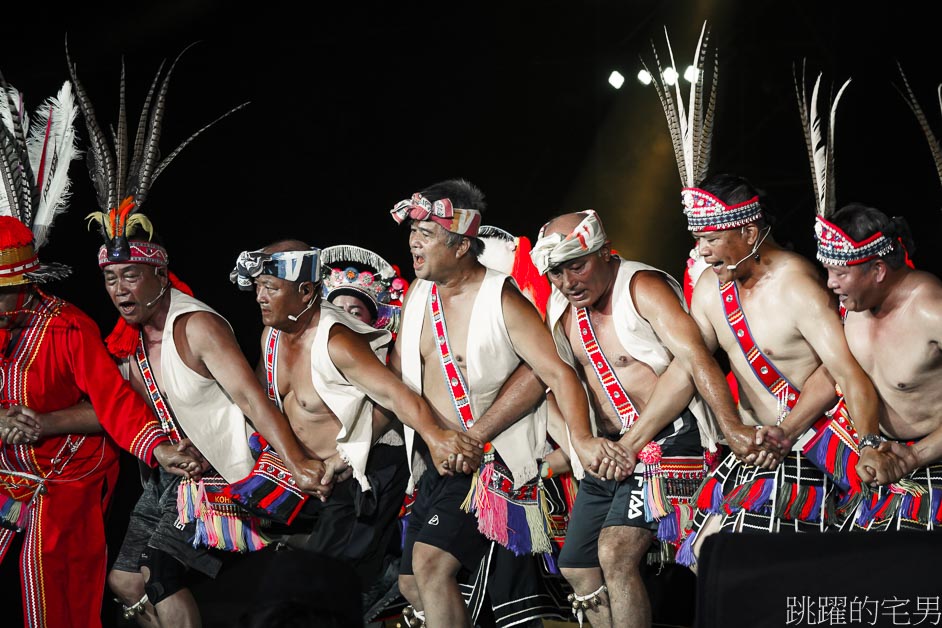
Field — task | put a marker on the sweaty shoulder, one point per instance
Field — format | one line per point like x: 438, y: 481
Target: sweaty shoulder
x: 799, y: 277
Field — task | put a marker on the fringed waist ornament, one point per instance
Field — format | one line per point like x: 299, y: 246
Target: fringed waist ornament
x: 516, y: 518
x: 221, y: 523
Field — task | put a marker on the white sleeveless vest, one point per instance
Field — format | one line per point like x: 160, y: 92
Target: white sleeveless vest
x: 637, y: 337
x: 348, y: 403
x: 491, y: 358
x: 206, y: 413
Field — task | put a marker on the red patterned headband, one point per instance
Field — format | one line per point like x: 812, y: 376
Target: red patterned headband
x: 141, y: 252
x: 461, y: 221
x: 705, y: 212
x: 836, y: 248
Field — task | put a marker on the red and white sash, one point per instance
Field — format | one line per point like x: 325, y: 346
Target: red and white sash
x: 616, y: 394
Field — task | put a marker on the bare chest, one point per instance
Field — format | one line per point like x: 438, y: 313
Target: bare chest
x: 898, y: 357
x: 293, y: 377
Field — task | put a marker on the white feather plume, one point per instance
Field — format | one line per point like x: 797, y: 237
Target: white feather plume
x: 60, y: 149
x: 820, y: 146
x: 691, y: 127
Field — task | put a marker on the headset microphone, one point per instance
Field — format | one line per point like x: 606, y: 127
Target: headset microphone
x: 752, y: 252
x: 294, y: 318
x: 150, y: 304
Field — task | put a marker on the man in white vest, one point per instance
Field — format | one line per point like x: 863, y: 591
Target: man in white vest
x: 465, y: 330
x: 326, y: 369
x: 624, y: 328
x: 184, y: 358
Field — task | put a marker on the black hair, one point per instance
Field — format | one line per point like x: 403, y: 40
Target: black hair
x: 733, y: 189
x: 861, y: 222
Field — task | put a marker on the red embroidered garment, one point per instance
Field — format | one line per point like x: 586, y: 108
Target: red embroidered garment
x: 51, y: 365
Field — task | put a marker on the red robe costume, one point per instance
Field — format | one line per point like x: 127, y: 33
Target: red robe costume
x: 53, y: 363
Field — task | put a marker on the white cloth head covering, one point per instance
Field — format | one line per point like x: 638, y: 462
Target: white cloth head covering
x: 556, y: 248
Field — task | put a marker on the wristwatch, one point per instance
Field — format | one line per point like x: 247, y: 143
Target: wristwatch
x: 871, y: 440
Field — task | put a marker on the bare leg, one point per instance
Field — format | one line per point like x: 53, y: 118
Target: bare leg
x: 435, y: 571
x: 129, y: 588
x: 621, y: 549
x: 410, y: 590
x: 177, y: 610
x: 585, y: 581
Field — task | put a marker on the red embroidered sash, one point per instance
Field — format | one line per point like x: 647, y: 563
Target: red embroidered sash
x: 616, y: 394
x: 453, y: 378
x: 777, y: 384
x: 833, y: 448
x: 271, y: 363
x: 167, y: 423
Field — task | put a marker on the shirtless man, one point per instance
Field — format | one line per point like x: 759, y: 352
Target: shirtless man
x: 893, y: 327
x: 794, y: 321
x: 640, y: 326
x: 491, y: 327
x: 326, y: 370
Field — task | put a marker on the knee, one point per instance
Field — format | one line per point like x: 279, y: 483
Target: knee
x: 430, y: 564
x: 580, y: 579
x: 624, y: 555
x: 128, y: 586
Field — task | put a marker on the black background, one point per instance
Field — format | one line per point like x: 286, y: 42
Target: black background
x: 356, y: 105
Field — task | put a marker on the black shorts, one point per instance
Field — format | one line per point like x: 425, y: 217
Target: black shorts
x: 605, y: 503
x: 356, y: 525
x: 437, y: 519
x: 153, y: 523
x: 601, y: 504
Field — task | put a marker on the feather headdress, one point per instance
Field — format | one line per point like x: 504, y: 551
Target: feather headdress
x: 34, y: 164
x: 691, y: 129
x: 934, y: 147
x: 835, y: 247
x: 123, y: 174
x: 819, y: 140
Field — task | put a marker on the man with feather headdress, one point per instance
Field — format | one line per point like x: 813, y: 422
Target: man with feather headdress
x: 184, y: 359
x: 57, y: 468
x: 892, y: 317
x: 777, y: 352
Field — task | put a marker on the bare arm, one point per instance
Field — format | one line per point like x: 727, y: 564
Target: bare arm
x: 211, y: 343
x: 536, y: 347
x: 353, y: 357
x: 820, y: 324
x: 660, y: 306
x: 517, y: 397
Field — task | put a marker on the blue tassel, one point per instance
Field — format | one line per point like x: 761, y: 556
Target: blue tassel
x: 551, y: 566
x: 404, y: 523
x: 716, y: 500
x: 685, y: 555
x: 668, y: 527
x: 868, y: 507
x: 518, y: 530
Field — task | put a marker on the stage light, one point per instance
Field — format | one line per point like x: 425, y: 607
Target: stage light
x: 645, y: 77
x: 691, y: 74
x: 615, y: 79
x: 670, y: 76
